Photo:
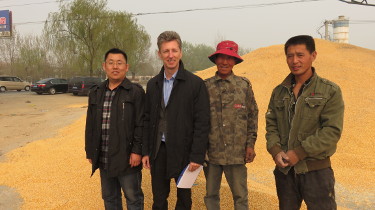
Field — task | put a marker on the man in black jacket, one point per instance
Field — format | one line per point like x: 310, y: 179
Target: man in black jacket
x: 176, y: 123
x: 113, y: 140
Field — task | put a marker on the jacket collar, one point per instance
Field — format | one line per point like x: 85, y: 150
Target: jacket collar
x: 181, y: 73
x: 126, y: 84
x: 229, y: 78
x: 288, y: 81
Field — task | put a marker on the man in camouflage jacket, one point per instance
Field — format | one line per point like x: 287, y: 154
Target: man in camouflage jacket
x: 234, y: 123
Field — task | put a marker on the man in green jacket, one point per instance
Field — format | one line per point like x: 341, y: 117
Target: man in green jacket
x: 234, y: 125
x: 304, y: 122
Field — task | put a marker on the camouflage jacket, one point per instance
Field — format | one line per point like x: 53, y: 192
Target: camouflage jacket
x: 234, y: 119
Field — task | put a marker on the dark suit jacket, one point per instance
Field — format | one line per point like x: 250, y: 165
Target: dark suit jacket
x: 187, y: 120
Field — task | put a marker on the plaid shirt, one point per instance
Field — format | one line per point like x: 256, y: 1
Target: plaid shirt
x: 103, y: 157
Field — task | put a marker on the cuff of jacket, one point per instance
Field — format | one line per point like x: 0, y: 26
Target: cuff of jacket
x: 301, y: 153
x: 137, y: 149
x: 275, y: 150
x: 197, y: 159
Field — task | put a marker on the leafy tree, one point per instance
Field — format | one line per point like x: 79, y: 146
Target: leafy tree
x: 86, y: 30
x: 155, y: 62
x: 128, y: 35
x: 195, y: 57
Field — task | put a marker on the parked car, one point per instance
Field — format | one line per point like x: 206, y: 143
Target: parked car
x: 50, y: 85
x: 13, y: 83
x: 82, y: 85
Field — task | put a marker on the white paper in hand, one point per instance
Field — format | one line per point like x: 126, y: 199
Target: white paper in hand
x: 187, y: 178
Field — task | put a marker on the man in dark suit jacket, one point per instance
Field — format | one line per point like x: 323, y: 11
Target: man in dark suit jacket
x: 176, y: 123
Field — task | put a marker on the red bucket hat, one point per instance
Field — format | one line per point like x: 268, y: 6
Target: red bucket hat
x: 227, y: 48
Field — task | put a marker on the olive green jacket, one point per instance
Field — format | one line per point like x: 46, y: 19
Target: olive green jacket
x: 234, y: 119
x: 314, y: 130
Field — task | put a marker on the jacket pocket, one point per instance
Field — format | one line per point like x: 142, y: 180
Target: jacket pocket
x: 279, y: 104
x: 92, y: 101
x: 281, y: 111
x: 127, y: 107
x: 313, y: 107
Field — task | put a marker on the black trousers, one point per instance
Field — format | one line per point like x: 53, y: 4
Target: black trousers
x: 161, y: 185
x: 316, y: 188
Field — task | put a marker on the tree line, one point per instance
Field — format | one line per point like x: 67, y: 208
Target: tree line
x: 75, y: 38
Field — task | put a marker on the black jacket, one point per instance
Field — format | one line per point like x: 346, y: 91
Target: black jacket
x: 125, y: 133
x: 187, y: 120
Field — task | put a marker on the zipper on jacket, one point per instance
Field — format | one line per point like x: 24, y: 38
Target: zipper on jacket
x: 295, y: 111
x: 123, y: 111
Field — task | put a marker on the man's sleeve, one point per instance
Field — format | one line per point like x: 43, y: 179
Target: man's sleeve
x: 272, y: 132
x: 201, y: 124
x: 139, y: 115
x: 88, y: 131
x: 252, y: 118
x: 146, y: 124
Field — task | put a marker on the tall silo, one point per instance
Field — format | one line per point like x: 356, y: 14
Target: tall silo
x: 341, y: 30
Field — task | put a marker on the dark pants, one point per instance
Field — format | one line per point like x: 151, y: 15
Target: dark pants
x: 130, y: 184
x: 161, y: 185
x: 316, y: 188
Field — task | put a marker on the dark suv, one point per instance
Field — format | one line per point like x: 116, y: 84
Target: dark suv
x: 82, y: 85
x: 50, y: 85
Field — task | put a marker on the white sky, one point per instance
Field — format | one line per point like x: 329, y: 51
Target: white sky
x: 251, y: 27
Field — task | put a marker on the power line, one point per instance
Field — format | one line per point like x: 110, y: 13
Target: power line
x: 227, y: 7
x: 197, y: 9
x: 33, y: 3
x: 204, y: 9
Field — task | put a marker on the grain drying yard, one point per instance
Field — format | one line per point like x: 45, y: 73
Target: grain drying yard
x: 52, y: 172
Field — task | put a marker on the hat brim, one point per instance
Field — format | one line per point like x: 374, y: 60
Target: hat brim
x: 225, y: 52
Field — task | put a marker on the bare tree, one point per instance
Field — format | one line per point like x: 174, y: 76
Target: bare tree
x: 9, y: 49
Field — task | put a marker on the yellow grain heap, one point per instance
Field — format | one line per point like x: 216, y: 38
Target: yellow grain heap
x: 54, y: 174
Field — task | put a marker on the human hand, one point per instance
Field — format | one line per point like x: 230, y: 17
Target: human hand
x: 281, y: 159
x: 146, y: 162
x: 193, y: 166
x: 134, y: 160
x: 250, y: 155
x: 293, y: 158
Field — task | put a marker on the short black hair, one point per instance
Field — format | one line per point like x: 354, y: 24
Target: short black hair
x: 306, y: 40
x: 116, y: 51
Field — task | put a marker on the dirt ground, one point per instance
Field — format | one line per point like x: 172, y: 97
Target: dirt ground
x: 26, y: 117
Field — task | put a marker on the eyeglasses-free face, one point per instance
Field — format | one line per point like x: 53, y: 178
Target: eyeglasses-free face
x: 171, y: 54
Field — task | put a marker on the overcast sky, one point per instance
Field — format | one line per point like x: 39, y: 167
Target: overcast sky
x: 250, y: 25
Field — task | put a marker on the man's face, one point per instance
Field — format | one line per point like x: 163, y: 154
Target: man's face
x: 224, y: 65
x: 115, y: 67
x: 299, y: 59
x: 170, y: 53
